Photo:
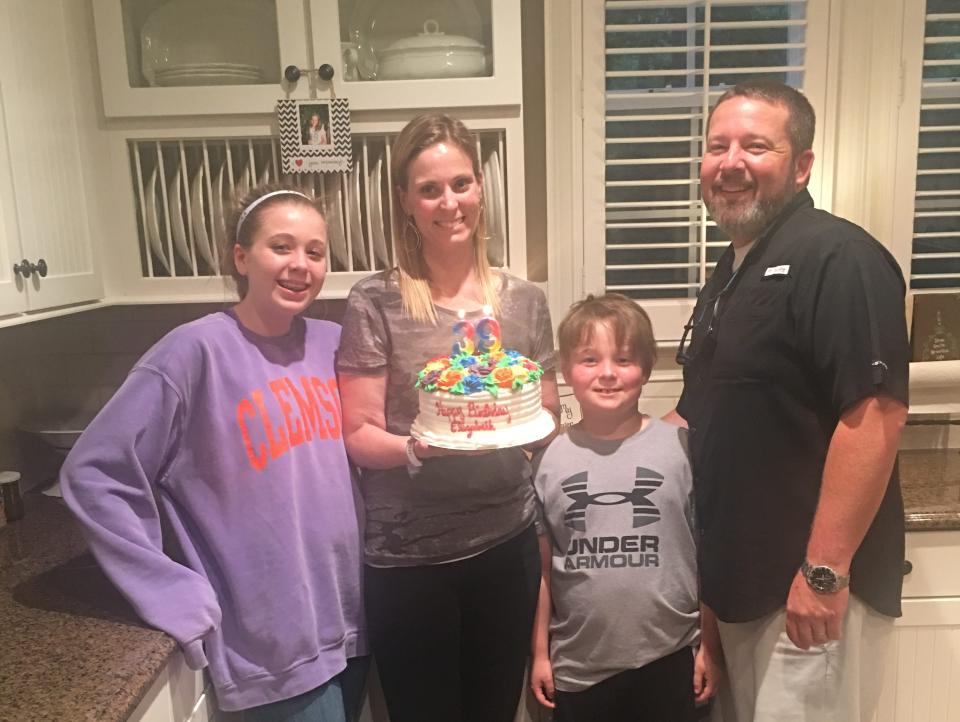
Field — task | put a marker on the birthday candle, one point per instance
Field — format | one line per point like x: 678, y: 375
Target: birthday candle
x: 488, y: 330
x: 464, y: 332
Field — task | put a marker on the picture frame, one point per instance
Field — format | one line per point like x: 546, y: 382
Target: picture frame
x: 935, y: 332
x: 315, y: 135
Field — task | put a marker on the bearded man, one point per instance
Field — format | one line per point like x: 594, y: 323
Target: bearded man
x: 795, y: 394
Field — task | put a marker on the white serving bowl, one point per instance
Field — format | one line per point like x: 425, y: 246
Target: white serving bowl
x: 432, y: 54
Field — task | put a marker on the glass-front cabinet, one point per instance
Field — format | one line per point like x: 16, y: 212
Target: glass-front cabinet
x: 197, y: 57
x: 422, y: 53
x: 214, y: 57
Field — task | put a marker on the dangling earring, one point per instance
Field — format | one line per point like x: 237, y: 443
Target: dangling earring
x: 416, y: 232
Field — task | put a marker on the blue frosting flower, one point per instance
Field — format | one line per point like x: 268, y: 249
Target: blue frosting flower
x: 472, y: 384
x: 513, y: 353
x: 465, y: 362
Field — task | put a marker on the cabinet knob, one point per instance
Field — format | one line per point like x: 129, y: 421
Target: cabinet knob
x: 291, y: 73
x: 24, y: 268
x: 907, y: 567
x: 326, y: 72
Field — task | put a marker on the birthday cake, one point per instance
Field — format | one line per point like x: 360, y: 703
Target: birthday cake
x: 480, y: 397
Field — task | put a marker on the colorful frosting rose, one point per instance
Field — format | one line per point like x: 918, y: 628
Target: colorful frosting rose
x: 503, y: 376
x: 449, y: 378
x: 436, y: 365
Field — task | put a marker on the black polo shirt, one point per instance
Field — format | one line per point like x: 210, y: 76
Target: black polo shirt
x: 794, y: 342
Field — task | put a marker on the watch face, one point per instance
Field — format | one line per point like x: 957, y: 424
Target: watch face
x: 822, y: 579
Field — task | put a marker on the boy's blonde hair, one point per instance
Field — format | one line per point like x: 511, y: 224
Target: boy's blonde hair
x: 630, y: 325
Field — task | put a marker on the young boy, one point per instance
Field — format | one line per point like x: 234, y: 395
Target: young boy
x: 618, y: 614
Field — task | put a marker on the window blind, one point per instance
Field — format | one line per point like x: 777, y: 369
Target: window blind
x: 935, y: 258
x: 666, y: 64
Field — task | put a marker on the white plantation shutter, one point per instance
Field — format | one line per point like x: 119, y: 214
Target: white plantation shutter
x: 935, y: 258
x: 664, y: 65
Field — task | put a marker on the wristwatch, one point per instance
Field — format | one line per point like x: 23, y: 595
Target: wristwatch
x: 413, y: 461
x: 822, y: 579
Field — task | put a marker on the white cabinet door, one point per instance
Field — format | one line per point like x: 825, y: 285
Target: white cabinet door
x: 13, y: 297
x: 41, y: 167
x: 127, y: 92
x: 921, y: 682
x: 501, y: 87
x: 177, y: 695
x: 923, y: 667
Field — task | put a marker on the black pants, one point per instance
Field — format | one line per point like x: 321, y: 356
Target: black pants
x: 661, y: 691
x: 451, y: 640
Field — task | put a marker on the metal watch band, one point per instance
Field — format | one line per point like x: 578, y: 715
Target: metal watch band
x: 823, y: 579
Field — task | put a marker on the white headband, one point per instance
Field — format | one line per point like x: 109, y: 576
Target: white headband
x: 261, y: 199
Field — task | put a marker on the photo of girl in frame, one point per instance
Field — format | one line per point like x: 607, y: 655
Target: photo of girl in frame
x: 315, y: 124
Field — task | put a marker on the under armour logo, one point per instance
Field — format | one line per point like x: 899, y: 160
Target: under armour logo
x: 644, y: 511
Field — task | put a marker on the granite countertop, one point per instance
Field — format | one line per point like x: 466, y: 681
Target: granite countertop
x: 931, y: 489
x: 71, y: 647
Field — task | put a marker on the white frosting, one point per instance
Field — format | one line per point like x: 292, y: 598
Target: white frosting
x: 481, y: 420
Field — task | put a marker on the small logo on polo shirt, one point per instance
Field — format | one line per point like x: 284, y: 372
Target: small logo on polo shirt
x: 777, y: 271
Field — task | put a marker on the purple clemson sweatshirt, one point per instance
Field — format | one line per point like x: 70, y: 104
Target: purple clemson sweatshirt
x: 235, y: 440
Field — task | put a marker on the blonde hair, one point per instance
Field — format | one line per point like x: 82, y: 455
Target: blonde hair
x: 419, y: 134
x: 630, y: 325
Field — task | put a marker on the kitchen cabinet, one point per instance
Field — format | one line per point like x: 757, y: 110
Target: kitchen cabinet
x: 924, y: 661
x: 168, y: 177
x: 177, y: 695
x: 140, y: 80
x: 46, y: 113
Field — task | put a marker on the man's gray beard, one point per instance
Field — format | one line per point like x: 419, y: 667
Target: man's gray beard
x: 737, y: 221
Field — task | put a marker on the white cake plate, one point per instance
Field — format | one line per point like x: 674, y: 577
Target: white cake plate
x: 533, y: 430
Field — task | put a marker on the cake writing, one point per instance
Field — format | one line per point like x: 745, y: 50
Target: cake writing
x: 475, y: 417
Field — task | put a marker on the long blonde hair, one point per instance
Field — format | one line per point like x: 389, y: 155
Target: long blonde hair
x: 418, y: 135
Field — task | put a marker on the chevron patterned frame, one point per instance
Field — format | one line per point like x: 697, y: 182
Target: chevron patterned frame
x: 335, y: 156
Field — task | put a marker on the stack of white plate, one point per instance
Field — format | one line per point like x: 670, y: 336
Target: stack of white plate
x: 213, y: 42
x: 207, y: 74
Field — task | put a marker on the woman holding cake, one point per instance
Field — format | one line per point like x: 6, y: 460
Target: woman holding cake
x: 452, y: 567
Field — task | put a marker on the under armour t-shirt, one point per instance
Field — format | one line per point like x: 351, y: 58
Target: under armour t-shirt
x: 624, y: 576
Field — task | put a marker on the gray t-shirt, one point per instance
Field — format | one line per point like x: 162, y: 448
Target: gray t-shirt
x: 454, y: 507
x: 624, y: 572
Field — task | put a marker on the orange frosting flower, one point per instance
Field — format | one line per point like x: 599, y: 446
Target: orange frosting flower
x: 449, y: 378
x: 503, y: 376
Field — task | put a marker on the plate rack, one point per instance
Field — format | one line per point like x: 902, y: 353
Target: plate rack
x: 186, y: 189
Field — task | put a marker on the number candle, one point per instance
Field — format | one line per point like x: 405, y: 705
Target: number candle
x: 488, y: 330
x: 465, y: 333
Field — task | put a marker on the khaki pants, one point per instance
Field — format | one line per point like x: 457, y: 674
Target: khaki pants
x: 771, y: 680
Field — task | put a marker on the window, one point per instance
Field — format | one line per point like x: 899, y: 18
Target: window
x: 663, y: 66
x: 935, y: 253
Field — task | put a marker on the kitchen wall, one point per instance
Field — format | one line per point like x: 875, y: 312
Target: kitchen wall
x: 61, y: 371
x: 534, y: 138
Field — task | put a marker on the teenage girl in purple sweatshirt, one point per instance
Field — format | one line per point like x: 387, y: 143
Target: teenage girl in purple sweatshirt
x: 229, y: 430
